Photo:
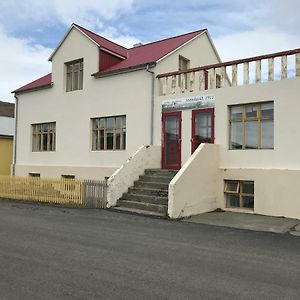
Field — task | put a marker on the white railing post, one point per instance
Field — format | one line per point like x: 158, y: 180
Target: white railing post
x: 223, y: 76
x: 283, y: 67
x: 177, y: 86
x: 173, y: 84
x: 271, y: 69
x: 234, y: 75
x: 192, y: 81
x: 298, y: 64
x: 212, y: 75
x: 182, y: 82
x: 202, y: 80
x: 258, y: 71
x: 246, y: 73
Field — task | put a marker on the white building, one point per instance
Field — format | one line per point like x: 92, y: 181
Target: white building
x: 102, y: 102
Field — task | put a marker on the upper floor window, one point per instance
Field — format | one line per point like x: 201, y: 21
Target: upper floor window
x: 74, y: 76
x: 43, y: 137
x: 252, y: 126
x: 109, y: 133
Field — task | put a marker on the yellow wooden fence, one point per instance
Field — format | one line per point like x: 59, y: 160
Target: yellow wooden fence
x: 56, y: 191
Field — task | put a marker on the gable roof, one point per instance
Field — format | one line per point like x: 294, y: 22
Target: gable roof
x: 133, y: 57
x: 152, y: 52
x: 7, y: 109
x: 42, y: 82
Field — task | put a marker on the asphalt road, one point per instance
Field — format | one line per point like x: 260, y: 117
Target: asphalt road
x: 58, y: 253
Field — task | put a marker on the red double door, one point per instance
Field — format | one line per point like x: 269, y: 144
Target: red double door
x: 202, y: 132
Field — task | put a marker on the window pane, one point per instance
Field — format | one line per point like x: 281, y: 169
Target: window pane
x: 236, y: 135
x: 267, y: 134
x: 124, y: 138
x: 102, y: 123
x: 95, y: 140
x: 267, y: 110
x: 81, y: 80
x: 233, y: 200
x: 75, y: 81
x: 45, y: 141
x: 251, y: 132
x: 118, y: 122
x: 232, y: 186
x: 247, y: 187
x: 76, y: 67
x: 109, y: 139
x: 102, y: 139
x: 248, y: 202
x: 236, y: 112
x: 118, y: 139
x: 203, y: 119
x: 69, y: 82
x: 251, y: 111
x: 110, y: 123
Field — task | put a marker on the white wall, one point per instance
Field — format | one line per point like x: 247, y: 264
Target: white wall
x: 193, y: 189
x: 7, y: 126
x: 146, y: 157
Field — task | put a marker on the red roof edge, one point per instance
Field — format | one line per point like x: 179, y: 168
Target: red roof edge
x: 171, y: 37
x: 42, y: 82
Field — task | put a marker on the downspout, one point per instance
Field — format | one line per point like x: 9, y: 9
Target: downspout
x: 152, y: 105
x: 15, y: 138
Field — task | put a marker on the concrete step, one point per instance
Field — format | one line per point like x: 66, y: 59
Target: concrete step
x: 145, y: 198
x: 160, y: 172
x: 152, y: 185
x: 153, y: 178
x: 163, y: 209
x: 138, y: 212
x: 147, y: 191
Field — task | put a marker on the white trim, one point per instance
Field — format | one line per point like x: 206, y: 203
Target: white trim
x: 112, y: 53
x: 65, y: 36
x: 181, y: 46
x: 213, y: 45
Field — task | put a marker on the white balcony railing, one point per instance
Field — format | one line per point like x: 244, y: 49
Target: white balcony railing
x: 265, y: 68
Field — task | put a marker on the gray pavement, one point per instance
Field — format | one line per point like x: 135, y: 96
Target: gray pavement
x: 58, y: 253
x: 247, y: 221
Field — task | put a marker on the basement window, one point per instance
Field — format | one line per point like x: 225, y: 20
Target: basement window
x: 34, y: 175
x: 239, y: 194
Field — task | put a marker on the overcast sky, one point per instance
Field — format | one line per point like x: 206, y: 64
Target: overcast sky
x: 30, y: 29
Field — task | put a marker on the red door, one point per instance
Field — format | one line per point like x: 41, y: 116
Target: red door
x: 171, y: 140
x: 202, y: 127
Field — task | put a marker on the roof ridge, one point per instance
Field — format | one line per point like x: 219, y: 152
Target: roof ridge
x: 169, y: 38
x: 100, y: 36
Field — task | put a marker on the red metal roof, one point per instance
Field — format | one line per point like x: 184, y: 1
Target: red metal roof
x: 152, y: 52
x: 44, y: 81
x: 140, y: 55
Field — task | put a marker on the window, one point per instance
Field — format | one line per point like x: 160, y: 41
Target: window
x: 252, y: 126
x: 43, y: 137
x: 74, y: 72
x: 239, y: 194
x: 68, y: 176
x: 109, y: 133
x: 34, y: 175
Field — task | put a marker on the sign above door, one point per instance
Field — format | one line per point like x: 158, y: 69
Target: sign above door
x: 204, y: 101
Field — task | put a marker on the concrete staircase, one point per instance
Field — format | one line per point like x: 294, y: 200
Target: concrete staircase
x: 149, y: 195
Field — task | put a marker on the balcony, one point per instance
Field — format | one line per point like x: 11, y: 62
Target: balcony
x: 259, y: 69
